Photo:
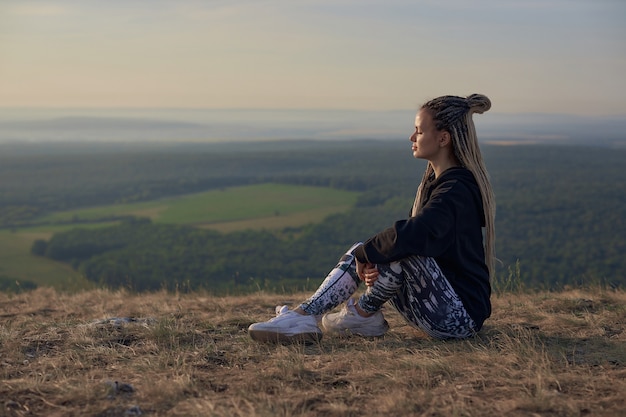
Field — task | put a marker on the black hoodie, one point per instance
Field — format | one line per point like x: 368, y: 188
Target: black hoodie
x: 447, y: 228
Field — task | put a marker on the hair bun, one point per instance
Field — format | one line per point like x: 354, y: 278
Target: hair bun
x: 478, y: 103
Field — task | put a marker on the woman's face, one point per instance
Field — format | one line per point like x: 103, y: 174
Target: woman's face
x: 426, y: 138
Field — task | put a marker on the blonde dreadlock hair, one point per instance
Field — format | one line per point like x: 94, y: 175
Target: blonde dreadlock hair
x: 454, y: 115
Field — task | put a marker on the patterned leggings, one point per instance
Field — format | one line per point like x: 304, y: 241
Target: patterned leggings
x: 415, y: 286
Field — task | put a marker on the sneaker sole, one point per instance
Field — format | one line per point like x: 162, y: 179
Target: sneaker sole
x: 265, y: 336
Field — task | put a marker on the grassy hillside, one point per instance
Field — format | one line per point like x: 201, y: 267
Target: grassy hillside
x: 541, y: 354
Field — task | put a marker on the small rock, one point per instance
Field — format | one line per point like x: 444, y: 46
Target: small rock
x: 120, y: 387
x: 133, y: 411
x: 116, y: 387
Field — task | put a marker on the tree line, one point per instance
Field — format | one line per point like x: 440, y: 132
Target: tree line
x: 142, y: 256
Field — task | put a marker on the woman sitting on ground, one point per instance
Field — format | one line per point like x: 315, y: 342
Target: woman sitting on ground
x: 433, y: 267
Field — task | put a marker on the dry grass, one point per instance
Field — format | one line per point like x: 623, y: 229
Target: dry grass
x: 545, y: 354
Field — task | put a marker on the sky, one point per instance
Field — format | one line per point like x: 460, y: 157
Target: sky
x: 535, y: 56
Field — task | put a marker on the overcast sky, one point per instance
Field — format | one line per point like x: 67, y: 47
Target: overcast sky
x: 554, y: 56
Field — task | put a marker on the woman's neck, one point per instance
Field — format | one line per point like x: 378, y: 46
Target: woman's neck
x: 442, y: 166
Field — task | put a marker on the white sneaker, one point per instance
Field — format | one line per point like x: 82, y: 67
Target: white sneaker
x: 349, y: 322
x: 287, y: 327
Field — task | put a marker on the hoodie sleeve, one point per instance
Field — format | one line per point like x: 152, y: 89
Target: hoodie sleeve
x: 429, y: 233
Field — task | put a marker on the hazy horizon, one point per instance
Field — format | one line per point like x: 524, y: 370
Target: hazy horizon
x: 219, y: 125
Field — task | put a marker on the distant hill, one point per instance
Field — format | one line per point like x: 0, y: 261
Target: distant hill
x: 220, y: 125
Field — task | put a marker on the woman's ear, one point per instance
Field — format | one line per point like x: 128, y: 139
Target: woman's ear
x: 444, y: 139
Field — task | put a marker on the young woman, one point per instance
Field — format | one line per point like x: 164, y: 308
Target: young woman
x: 433, y: 267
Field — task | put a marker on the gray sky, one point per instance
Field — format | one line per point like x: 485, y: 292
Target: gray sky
x: 544, y: 56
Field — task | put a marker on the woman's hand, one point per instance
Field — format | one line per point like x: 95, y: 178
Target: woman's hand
x: 367, y: 272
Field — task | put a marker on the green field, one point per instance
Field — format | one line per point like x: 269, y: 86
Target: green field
x: 255, y: 206
x: 18, y: 265
x: 265, y: 206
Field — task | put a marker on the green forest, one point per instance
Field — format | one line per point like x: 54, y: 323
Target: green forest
x: 560, y: 210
